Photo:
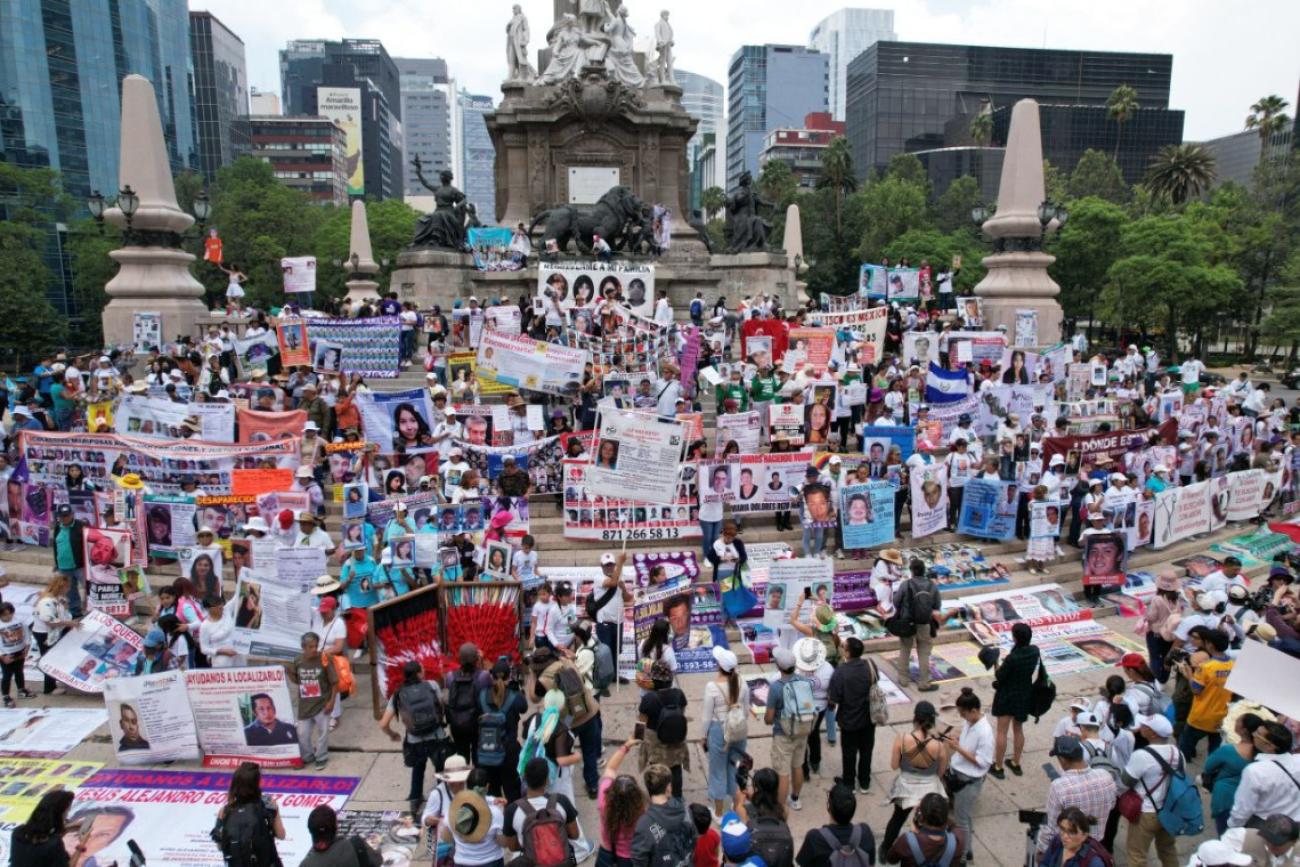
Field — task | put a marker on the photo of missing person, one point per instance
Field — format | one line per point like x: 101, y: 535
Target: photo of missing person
x: 355, y: 497
x: 249, y: 613
x: 262, y: 725
x: 403, y: 551
x: 1103, y: 558
x: 328, y: 357
x: 607, y: 454
x: 498, y: 559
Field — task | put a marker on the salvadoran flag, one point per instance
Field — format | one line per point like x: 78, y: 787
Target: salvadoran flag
x: 945, y: 386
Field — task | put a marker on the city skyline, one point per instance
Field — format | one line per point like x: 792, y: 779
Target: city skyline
x: 1216, y: 95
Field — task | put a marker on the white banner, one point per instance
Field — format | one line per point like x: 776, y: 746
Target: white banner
x: 96, y: 650
x: 742, y: 428
x: 149, y: 719
x: 929, y: 499
x: 613, y: 520
x: 399, y: 422
x: 299, y: 273
x: 1251, y: 491
x: 580, y: 284
x: 47, y: 732
x: 637, y: 458
x: 920, y: 348
x: 216, y: 419
x: 787, y: 582
x: 244, y: 714
x: 521, y: 362
x: 274, y: 608
x: 157, y: 417
x: 1180, y: 513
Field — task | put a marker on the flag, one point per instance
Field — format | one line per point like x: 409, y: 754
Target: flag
x: 945, y: 386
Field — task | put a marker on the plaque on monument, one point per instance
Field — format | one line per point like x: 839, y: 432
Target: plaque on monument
x: 588, y: 183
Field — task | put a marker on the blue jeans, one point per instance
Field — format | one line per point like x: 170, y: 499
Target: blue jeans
x: 830, y: 726
x: 814, y: 539
x: 722, y: 763
x: 588, y: 735
x: 710, y: 530
x: 75, y: 577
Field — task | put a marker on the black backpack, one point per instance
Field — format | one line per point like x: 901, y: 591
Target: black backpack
x: 246, y: 837
x: 922, y: 601
x: 676, y: 848
x: 419, y: 708
x: 769, y: 838
x: 850, y: 854
x: 672, y: 720
x: 462, y: 706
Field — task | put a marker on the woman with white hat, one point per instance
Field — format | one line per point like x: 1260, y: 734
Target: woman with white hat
x: 810, y: 661
x: 725, y: 719
x: 473, y: 825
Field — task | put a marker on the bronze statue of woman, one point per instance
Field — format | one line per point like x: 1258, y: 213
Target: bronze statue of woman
x: 444, y: 227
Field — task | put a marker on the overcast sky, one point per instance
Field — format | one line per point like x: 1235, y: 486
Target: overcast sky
x: 1226, y: 55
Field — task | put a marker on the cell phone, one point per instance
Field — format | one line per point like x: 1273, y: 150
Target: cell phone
x: 807, y: 593
x: 638, y: 731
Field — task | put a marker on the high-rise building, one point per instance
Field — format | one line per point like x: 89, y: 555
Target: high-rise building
x: 705, y: 100
x: 477, y: 179
x: 61, y: 67
x: 842, y: 36
x: 263, y: 102
x: 1236, y: 156
x: 305, y: 153
x: 801, y: 148
x: 220, y: 91
x: 427, y: 119
x: 769, y: 86
x: 904, y: 97
x: 704, y: 170
x: 355, y: 83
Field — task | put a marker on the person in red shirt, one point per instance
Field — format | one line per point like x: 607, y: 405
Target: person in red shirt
x: 708, y: 846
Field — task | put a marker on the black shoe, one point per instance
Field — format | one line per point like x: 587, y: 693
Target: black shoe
x: 997, y: 773
x: 592, y: 792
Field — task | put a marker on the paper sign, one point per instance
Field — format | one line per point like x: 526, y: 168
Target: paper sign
x: 264, y: 481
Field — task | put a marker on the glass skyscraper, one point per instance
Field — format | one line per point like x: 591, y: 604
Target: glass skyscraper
x: 842, y: 36
x: 220, y: 92
x: 478, y: 155
x: 705, y: 100
x: 768, y: 87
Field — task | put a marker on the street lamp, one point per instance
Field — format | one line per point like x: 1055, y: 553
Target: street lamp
x: 96, y: 206
x: 1047, y: 212
x: 202, y: 208
x: 128, y: 203
x: 979, y: 215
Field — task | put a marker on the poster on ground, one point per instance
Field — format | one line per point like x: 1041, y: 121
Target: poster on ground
x: 150, y: 720
x: 46, y: 733
x: 23, y: 782
x: 244, y: 714
x: 929, y: 499
x: 637, y: 458
x: 519, y: 361
x: 96, y: 650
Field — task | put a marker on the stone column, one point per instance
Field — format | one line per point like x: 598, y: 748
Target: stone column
x: 1017, y: 276
x: 155, y: 274
x: 361, y: 264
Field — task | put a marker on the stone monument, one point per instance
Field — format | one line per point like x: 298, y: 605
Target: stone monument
x: 361, y: 265
x: 1017, y: 276
x: 155, y: 274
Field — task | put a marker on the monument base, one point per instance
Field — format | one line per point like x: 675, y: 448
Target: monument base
x: 1019, y: 281
x: 362, y: 290
x: 430, y: 277
x: 152, y: 280
x: 180, y: 316
x: 753, y: 274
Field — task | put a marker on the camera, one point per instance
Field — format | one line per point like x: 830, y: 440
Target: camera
x: 1177, y: 656
x: 744, y: 766
x: 1259, y: 600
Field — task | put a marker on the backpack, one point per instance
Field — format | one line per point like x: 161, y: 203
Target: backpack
x: 492, y: 736
x: 676, y: 846
x: 697, y: 309
x: 246, y: 838
x: 877, y: 704
x: 419, y: 708
x: 769, y: 839
x: 922, y: 602
x: 735, y: 725
x: 949, y: 849
x: 1181, y: 813
x: 798, y: 709
x: 602, y: 673
x: 1042, y: 694
x: 672, y: 721
x: 1100, y: 760
x: 462, y: 712
x: 346, y: 682
x: 545, y: 840
x: 850, y: 854
x: 570, y: 683
x: 1160, y: 701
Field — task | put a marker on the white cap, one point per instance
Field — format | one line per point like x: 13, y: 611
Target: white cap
x: 175, y: 373
x: 311, y: 425
x: 1079, y: 704
x: 1056, y: 459
x: 431, y: 375
x: 21, y: 409
x: 222, y: 394
x: 1118, y: 477
x: 1087, y: 718
x: 205, y: 529
x: 304, y: 472
x: 1158, y: 723
x: 835, y: 459
x: 257, y: 522
x: 399, y: 507
x: 608, y: 559
x: 725, y: 659
x: 104, y: 359
x: 1216, y: 853
x: 1160, y: 468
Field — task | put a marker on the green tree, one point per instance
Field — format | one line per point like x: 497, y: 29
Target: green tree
x: 1085, y: 247
x: 938, y: 249
x: 30, y: 201
x: 906, y: 167
x: 1282, y: 325
x: 1267, y: 117
x: 837, y: 175
x: 1181, y: 172
x: 1121, y: 104
x: 89, y: 244
x: 777, y: 185
x: 712, y: 200
x: 981, y: 133
x: 891, y: 207
x: 952, y: 210
x: 1096, y: 174
x: 392, y: 225
x: 1055, y: 184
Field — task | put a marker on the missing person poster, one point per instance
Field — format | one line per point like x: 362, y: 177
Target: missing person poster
x: 519, y: 361
x: 694, y: 614
x: 400, y: 422
x: 274, y: 608
x: 786, y: 420
x: 988, y: 509
x: 299, y: 274
x: 1104, y: 556
x: 579, y: 285
x: 25, y: 781
x: 637, y: 458
x: 867, y: 515
x: 149, y: 719
x: 929, y: 499
x: 47, y: 732
x: 244, y: 714
x: 1044, y: 528
x: 295, y: 351
x: 96, y: 650
x: 607, y: 519
x: 810, y: 578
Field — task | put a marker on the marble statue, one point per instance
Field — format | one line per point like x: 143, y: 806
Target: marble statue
x: 664, y: 45
x: 746, y: 230
x: 620, y: 60
x: 517, y: 38
x: 567, y: 53
x: 444, y: 228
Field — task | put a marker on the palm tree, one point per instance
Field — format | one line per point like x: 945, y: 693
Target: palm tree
x: 981, y: 132
x: 1122, y: 103
x: 837, y: 175
x: 1267, y: 117
x: 1181, y: 171
x: 712, y: 200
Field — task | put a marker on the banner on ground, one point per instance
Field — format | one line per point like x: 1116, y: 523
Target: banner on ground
x: 28, y: 780
x: 244, y: 714
x: 755, y: 482
x: 580, y: 284
x: 150, y: 720
x: 637, y: 458
x: 299, y: 274
x: 45, y: 733
x: 370, y: 347
x: 867, y: 515
x: 518, y: 361
x: 398, y: 421
x: 694, y: 614
x: 929, y: 484
x: 94, y: 651
x: 592, y: 516
x: 988, y: 509
x: 679, y: 568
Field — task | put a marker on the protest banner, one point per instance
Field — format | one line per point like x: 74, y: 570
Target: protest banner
x: 880, y: 440
x: 256, y: 352
x: 920, y: 348
x: 146, y: 331
x: 929, y: 483
x: 1259, y: 670
x: 1044, y: 528
x: 789, y: 580
x: 1180, y: 513
x: 295, y: 349
x: 203, y: 566
x: 787, y: 420
x: 99, y: 416
x: 518, y: 361
x: 694, y: 614
x: 868, y: 326
x: 171, y: 813
x: 579, y: 284
x: 216, y: 421
x: 980, y: 346
x: 46, y: 733
x: 256, y: 426
x: 138, y: 415
x: 116, y: 599
x: 873, y: 280
x: 398, y: 421
x: 988, y: 509
x: 867, y: 515
x: 275, y: 604
x: 97, y: 649
x: 1026, y: 327
x: 771, y: 329
x: 1114, y: 444
x: 1251, y: 493
x: 253, y: 483
x: 490, y: 246
x: 665, y: 570
x: 757, y: 482
x: 149, y: 719
x: 904, y: 285
x: 817, y: 346
x: 27, y: 780
x: 299, y: 274
x: 370, y: 347
x: 244, y: 714
x: 169, y: 524
x: 1104, y: 558
x: 593, y: 516
x: 637, y: 458
x: 742, y: 428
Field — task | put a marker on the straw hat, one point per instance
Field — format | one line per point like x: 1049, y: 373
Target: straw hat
x: 892, y: 555
x: 325, y: 584
x: 131, y: 482
x: 809, y: 654
x: 470, y: 815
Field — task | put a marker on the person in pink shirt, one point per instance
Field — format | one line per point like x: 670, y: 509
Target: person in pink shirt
x: 621, y: 801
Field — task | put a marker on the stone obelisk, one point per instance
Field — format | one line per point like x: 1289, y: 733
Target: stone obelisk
x: 361, y: 264
x: 1017, y: 276
x: 155, y: 274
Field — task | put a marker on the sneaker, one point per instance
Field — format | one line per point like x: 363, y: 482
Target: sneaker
x: 997, y: 773
x: 795, y: 803
x: 929, y: 687
x: 863, y: 790
x: 307, y: 760
x: 321, y: 763
x: 9, y: 702
x: 26, y: 693
x: 356, y: 654
x: 839, y: 555
x: 592, y: 792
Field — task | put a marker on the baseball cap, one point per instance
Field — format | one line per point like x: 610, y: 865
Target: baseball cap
x: 1132, y: 660
x: 784, y: 658
x: 1158, y: 724
x: 154, y: 638
x: 1079, y: 704
x: 64, y: 509
x: 1216, y: 853
x: 1087, y: 718
x: 735, y: 836
x: 1068, y: 747
x: 608, y: 559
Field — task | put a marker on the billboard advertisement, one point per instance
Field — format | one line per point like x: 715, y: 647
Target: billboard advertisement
x: 343, y: 106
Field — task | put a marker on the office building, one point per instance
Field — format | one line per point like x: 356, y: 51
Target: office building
x: 477, y: 155
x: 61, y: 67
x: 704, y: 170
x: 801, y: 149
x: 1236, y: 156
x: 904, y: 97
x: 220, y: 91
x: 768, y: 87
x: 305, y: 153
x: 355, y: 83
x: 842, y: 36
x: 945, y: 165
x: 705, y: 100
x: 263, y: 102
x: 428, y: 120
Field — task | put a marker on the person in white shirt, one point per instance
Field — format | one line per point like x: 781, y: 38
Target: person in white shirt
x: 1257, y: 402
x: 1270, y: 785
x: 1069, y: 725
x: 544, y: 608
x: 523, y: 564
x: 663, y: 312
x: 970, y: 757
x: 1145, y: 774
x: 1190, y: 371
x: 609, y: 616
x: 453, y: 468
x: 1240, y: 388
x: 217, y: 638
x: 1272, y: 844
x: 559, y: 626
x: 310, y: 535
x: 960, y: 468
x: 1222, y: 579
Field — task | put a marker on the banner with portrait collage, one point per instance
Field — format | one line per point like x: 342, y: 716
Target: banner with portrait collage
x: 754, y: 482
x: 256, y: 352
x: 370, y: 347
x: 694, y: 614
x: 398, y: 421
x: 93, y: 652
x: 788, y: 581
x: 637, y: 458
x: 519, y: 361
x: 867, y: 515
x: 579, y: 284
x: 988, y: 509
x: 605, y: 519
x: 929, y: 483
x: 136, y: 415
